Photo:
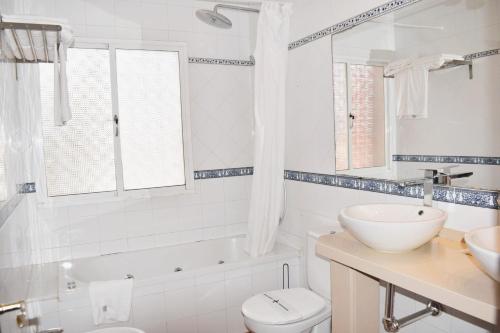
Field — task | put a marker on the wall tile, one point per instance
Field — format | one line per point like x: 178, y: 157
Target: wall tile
x: 99, y: 12
x: 212, y: 323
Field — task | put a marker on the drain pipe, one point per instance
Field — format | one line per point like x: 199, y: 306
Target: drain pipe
x: 392, y: 324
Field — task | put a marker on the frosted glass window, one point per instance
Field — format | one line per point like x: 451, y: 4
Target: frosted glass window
x: 359, y: 116
x: 150, y: 118
x: 79, y: 157
x: 341, y: 117
x: 368, y: 107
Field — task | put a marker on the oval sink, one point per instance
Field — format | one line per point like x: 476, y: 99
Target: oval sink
x: 484, y: 243
x: 392, y: 227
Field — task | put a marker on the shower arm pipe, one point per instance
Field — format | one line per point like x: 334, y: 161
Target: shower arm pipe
x: 240, y: 8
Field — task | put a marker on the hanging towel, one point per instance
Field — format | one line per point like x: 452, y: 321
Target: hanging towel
x: 62, y: 111
x: 412, y: 81
x: 111, y: 300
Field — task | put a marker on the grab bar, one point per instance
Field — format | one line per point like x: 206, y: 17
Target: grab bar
x: 21, y: 319
x: 16, y: 306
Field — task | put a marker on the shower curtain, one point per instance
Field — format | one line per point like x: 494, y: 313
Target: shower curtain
x: 271, y: 55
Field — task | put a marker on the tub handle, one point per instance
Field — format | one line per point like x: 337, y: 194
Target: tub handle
x: 285, y: 265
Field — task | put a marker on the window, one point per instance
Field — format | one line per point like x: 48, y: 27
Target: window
x: 359, y: 108
x: 129, y: 127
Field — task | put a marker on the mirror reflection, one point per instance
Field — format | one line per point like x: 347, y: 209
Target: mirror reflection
x: 418, y: 89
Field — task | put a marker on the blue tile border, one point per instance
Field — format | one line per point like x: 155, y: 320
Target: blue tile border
x: 26, y: 188
x: 223, y: 173
x: 353, y: 21
x: 484, y: 160
x: 218, y: 61
x: 456, y: 195
x: 482, y: 54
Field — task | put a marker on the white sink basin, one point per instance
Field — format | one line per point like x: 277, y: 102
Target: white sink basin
x: 392, y: 227
x: 484, y: 243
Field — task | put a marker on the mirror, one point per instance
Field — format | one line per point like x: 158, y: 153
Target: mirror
x: 385, y: 128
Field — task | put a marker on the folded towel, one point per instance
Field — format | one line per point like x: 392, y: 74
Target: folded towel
x: 411, y: 81
x: 111, y: 300
x: 62, y: 111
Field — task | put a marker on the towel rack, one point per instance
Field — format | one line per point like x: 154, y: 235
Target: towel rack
x: 447, y: 65
x: 29, y: 27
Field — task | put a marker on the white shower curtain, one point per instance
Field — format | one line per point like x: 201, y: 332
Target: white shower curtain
x: 271, y: 54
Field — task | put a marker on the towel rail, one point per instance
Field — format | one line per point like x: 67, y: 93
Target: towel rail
x: 32, y: 44
x: 29, y: 28
x: 18, y: 43
x: 45, y: 47
x: 447, y: 65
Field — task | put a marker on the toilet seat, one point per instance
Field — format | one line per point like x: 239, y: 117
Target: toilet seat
x: 279, y: 307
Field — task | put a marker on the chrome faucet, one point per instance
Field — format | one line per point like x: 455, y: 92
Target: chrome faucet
x: 433, y: 177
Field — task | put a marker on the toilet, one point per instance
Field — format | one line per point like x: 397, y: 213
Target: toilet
x: 296, y: 310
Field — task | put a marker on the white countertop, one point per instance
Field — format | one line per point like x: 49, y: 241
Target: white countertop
x: 441, y: 270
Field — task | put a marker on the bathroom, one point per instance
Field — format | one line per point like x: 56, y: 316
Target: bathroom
x: 187, y: 224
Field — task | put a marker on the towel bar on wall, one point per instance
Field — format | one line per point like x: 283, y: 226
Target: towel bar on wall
x: 447, y: 65
x: 13, y: 27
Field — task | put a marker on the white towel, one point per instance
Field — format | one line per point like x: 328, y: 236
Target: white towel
x: 111, y: 300
x: 412, y: 81
x: 62, y: 111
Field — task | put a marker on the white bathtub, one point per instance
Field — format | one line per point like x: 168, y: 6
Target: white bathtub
x: 159, y: 265
x: 205, y: 294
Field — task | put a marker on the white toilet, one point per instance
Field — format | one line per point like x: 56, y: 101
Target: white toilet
x: 296, y: 310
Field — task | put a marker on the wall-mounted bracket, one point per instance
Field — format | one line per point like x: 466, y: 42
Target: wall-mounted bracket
x: 392, y: 324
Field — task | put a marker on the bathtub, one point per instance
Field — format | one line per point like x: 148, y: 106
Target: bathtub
x: 158, y: 266
x: 182, y: 288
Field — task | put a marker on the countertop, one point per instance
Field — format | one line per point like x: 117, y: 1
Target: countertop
x: 440, y: 270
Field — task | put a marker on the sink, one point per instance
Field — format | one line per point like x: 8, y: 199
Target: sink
x: 392, y: 227
x: 484, y: 243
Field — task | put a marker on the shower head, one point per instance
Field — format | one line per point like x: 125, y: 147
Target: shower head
x: 214, y: 18
x: 211, y: 17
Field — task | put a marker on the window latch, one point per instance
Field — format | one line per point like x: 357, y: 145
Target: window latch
x: 115, y: 119
x: 351, y: 122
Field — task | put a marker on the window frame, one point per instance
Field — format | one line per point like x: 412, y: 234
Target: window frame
x: 378, y: 171
x: 120, y: 192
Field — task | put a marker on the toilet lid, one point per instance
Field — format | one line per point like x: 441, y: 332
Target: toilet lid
x: 283, y: 306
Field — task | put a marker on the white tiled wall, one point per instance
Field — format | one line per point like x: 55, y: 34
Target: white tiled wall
x: 158, y: 20
x: 217, y: 208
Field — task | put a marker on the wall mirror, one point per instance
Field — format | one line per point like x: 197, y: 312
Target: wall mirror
x: 392, y: 128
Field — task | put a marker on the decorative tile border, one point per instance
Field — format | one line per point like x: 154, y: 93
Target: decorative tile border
x: 26, y: 188
x: 222, y: 173
x: 484, y: 160
x: 353, y: 21
x: 214, y: 61
x: 457, y: 195
x: 8, y: 207
x: 482, y: 54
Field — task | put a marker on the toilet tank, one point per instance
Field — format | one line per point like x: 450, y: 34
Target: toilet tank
x: 318, y: 268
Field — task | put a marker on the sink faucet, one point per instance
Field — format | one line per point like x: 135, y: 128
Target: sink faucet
x: 433, y: 177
